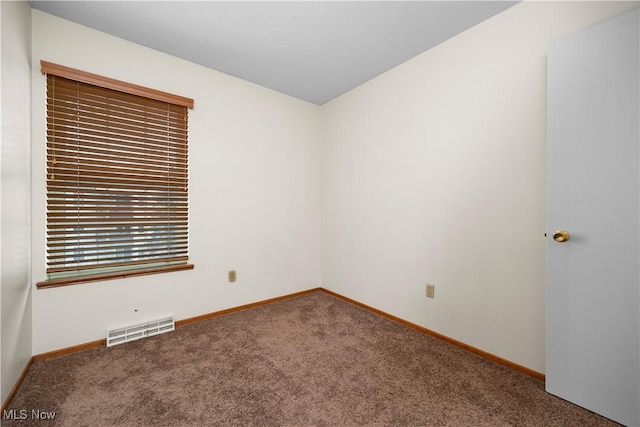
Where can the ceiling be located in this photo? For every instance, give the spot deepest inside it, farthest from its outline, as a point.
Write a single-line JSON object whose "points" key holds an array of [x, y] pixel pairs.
{"points": [[312, 50]]}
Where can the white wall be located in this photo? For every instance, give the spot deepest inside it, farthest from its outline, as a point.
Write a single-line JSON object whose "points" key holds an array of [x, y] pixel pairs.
{"points": [[254, 192], [435, 172], [15, 290]]}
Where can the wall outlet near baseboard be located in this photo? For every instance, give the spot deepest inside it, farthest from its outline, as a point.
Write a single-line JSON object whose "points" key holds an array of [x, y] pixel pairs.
{"points": [[431, 291]]}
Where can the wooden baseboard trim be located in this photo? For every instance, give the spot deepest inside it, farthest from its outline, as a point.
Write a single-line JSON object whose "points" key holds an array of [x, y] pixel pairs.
{"points": [[16, 386], [528, 371], [243, 307], [69, 350]]}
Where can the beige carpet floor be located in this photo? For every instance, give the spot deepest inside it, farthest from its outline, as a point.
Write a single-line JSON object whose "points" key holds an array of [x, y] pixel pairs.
{"points": [[312, 360]]}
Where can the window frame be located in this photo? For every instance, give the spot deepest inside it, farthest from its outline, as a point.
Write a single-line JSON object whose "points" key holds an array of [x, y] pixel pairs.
{"points": [[48, 68]]}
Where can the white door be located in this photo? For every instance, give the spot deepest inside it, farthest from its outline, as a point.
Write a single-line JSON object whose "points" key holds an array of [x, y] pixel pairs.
{"points": [[593, 278]]}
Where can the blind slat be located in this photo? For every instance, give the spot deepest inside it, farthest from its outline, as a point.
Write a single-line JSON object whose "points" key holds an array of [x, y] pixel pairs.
{"points": [[119, 170], [133, 158], [116, 242], [115, 175], [117, 264], [124, 257], [107, 124], [114, 195], [55, 183], [116, 161], [140, 127], [61, 142], [77, 235], [63, 204], [124, 102], [119, 244], [67, 209], [112, 252], [62, 240], [71, 103], [87, 134], [150, 117]]}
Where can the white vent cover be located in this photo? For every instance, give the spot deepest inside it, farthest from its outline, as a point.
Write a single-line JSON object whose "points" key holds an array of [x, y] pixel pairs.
{"points": [[140, 330]]}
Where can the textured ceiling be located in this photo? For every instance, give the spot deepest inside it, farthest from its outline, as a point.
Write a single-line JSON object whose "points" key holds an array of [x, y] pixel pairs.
{"points": [[312, 50]]}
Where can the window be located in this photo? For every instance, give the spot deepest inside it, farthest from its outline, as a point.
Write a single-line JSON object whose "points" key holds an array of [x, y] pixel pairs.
{"points": [[117, 178]]}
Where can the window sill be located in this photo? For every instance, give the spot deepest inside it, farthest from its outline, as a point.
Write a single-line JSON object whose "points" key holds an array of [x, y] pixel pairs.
{"points": [[100, 277]]}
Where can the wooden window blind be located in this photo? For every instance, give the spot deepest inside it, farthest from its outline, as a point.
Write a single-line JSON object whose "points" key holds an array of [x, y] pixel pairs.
{"points": [[117, 182]]}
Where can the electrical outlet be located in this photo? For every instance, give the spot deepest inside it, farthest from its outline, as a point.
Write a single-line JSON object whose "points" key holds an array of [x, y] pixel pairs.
{"points": [[431, 290], [232, 275]]}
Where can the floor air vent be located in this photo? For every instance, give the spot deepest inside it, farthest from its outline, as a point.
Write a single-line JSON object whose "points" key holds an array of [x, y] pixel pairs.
{"points": [[140, 330]]}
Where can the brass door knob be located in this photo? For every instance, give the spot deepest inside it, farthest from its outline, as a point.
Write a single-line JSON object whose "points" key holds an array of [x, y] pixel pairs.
{"points": [[561, 236]]}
